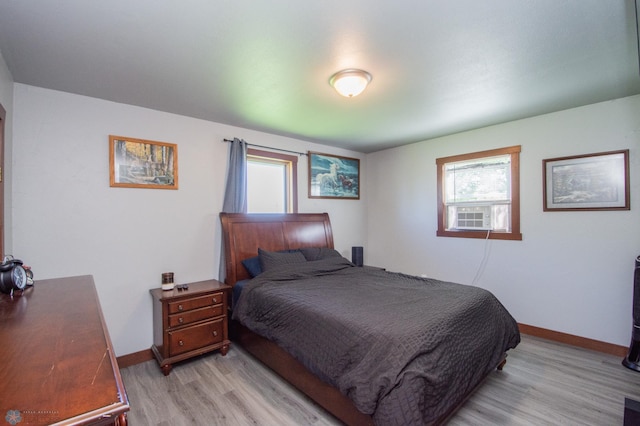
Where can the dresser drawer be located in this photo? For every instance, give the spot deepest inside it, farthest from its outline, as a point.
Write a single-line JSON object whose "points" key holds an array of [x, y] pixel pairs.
{"points": [[196, 337], [195, 303], [194, 315]]}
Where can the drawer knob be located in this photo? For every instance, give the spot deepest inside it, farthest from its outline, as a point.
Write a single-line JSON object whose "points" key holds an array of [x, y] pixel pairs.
{"points": [[215, 333], [180, 307], [180, 320], [215, 300], [181, 343]]}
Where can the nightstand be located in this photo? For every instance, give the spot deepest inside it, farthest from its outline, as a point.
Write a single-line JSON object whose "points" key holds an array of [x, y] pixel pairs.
{"points": [[189, 322]]}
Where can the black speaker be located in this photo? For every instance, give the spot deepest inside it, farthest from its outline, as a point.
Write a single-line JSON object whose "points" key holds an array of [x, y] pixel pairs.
{"points": [[357, 256], [633, 358]]}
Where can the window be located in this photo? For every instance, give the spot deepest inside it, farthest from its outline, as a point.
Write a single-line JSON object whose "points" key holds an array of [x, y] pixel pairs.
{"points": [[272, 184], [479, 195]]}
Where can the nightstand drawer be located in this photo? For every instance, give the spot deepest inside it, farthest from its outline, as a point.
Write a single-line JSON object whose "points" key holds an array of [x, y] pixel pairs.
{"points": [[196, 337], [194, 315], [195, 303]]}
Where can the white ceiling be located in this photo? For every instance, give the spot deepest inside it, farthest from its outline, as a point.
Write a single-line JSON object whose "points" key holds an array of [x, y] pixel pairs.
{"points": [[438, 66]]}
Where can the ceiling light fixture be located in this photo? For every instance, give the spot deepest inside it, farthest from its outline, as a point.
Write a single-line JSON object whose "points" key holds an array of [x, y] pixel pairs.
{"points": [[351, 82]]}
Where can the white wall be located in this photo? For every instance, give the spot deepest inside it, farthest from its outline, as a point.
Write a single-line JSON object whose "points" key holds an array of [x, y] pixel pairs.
{"points": [[69, 221], [6, 99], [572, 272]]}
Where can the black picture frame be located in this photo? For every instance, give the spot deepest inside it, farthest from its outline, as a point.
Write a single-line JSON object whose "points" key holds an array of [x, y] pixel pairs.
{"points": [[589, 182]]}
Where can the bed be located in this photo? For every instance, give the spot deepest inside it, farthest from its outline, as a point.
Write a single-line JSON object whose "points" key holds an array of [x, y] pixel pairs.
{"points": [[368, 345]]}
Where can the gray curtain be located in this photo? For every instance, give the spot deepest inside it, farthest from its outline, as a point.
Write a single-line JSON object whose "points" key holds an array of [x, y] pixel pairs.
{"points": [[235, 194]]}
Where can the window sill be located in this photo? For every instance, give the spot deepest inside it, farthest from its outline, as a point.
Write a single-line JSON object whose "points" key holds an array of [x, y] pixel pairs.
{"points": [[493, 235]]}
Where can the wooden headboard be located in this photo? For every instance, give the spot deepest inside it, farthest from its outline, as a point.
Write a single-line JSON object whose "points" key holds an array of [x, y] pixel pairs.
{"points": [[243, 234]]}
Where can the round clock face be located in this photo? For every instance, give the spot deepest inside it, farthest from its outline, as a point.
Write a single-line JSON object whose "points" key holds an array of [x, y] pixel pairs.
{"points": [[19, 277]]}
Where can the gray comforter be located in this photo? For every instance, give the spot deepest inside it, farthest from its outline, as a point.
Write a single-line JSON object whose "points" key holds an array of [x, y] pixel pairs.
{"points": [[404, 349]]}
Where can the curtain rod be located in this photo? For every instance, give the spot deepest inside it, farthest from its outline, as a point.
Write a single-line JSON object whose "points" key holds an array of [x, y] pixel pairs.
{"points": [[268, 147]]}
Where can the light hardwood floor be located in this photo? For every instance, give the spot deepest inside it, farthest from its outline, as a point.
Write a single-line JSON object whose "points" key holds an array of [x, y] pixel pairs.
{"points": [[543, 383]]}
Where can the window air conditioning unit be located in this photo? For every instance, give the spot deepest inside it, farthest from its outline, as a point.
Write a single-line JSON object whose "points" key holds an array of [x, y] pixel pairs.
{"points": [[474, 218]]}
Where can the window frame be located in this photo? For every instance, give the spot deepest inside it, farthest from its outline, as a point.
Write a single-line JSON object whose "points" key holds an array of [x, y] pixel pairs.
{"points": [[291, 163], [514, 234]]}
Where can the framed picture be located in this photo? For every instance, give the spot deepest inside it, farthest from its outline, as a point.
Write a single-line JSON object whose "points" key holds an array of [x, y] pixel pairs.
{"points": [[332, 176], [137, 163], [587, 182]]}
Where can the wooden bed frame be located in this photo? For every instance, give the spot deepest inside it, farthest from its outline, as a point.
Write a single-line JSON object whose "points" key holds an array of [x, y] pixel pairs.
{"points": [[243, 234]]}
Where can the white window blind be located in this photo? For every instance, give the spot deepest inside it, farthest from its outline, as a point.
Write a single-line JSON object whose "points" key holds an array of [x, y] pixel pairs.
{"points": [[479, 180]]}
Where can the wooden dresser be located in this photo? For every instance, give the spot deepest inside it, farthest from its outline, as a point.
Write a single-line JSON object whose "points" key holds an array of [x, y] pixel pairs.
{"points": [[189, 322], [58, 364]]}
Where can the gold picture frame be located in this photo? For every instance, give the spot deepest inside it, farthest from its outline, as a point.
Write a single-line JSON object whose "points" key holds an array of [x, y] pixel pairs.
{"points": [[139, 163]]}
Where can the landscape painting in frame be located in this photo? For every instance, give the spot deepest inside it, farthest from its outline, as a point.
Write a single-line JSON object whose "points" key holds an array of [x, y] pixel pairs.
{"points": [[138, 163], [587, 182], [332, 176]]}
